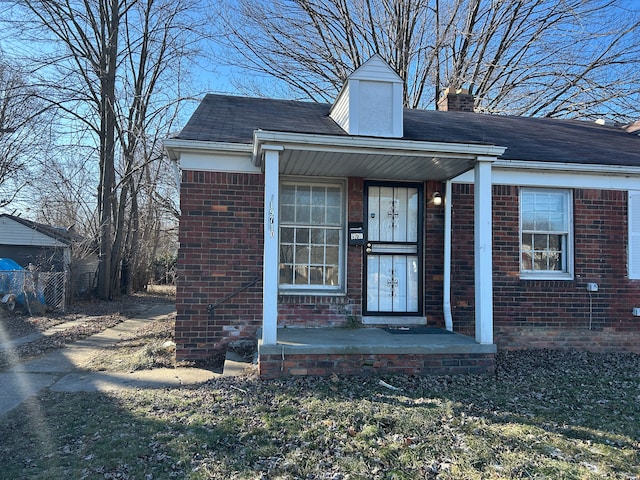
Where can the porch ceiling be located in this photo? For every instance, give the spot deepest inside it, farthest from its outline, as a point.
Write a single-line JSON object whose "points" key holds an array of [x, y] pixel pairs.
{"points": [[367, 157], [371, 165]]}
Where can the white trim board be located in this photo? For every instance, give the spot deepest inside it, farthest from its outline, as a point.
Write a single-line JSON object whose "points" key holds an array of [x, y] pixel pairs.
{"points": [[215, 162], [604, 179]]}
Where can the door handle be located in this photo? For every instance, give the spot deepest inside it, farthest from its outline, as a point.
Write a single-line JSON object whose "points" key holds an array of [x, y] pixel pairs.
{"points": [[368, 249]]}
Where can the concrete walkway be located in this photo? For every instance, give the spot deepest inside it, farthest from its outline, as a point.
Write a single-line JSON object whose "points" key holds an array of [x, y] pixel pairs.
{"points": [[62, 370]]}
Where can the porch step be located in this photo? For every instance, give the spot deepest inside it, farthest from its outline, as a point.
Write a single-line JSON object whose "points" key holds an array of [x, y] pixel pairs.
{"points": [[235, 365]]}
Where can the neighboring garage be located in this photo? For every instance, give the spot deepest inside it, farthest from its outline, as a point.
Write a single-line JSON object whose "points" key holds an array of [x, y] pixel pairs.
{"points": [[25, 242], [49, 249]]}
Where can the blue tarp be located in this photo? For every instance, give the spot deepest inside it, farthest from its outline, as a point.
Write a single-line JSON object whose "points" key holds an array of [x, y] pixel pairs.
{"points": [[8, 264], [14, 279]]}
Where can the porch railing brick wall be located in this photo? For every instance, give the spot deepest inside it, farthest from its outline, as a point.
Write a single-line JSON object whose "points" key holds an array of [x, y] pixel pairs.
{"points": [[552, 313]]}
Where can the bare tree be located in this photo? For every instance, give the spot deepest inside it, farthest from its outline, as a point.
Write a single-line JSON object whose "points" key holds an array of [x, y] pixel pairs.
{"points": [[22, 132], [114, 71], [66, 196], [575, 58]]}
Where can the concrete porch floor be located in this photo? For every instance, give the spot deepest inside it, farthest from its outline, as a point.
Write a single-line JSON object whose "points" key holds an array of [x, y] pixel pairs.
{"points": [[370, 341]]}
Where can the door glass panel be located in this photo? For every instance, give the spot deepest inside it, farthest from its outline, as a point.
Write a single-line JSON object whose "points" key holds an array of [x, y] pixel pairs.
{"points": [[399, 280], [393, 214], [373, 278], [401, 208], [380, 285], [412, 215], [412, 284], [392, 283], [388, 214]]}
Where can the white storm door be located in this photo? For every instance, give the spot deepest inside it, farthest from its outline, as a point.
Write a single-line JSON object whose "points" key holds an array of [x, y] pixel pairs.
{"points": [[392, 250]]}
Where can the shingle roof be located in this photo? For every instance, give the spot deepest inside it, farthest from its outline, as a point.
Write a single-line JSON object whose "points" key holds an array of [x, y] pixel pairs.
{"points": [[223, 118], [59, 233]]}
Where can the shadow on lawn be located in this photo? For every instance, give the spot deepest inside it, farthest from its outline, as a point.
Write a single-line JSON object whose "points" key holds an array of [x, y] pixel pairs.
{"points": [[540, 414], [97, 435]]}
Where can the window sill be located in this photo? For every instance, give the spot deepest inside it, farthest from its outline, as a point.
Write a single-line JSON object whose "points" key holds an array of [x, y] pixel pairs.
{"points": [[546, 276], [311, 293]]}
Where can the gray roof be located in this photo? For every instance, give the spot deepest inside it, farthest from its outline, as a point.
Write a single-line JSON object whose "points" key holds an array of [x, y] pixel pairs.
{"points": [[64, 235], [223, 118]]}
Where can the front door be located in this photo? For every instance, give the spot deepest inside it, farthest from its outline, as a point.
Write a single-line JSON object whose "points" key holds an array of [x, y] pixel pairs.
{"points": [[393, 246]]}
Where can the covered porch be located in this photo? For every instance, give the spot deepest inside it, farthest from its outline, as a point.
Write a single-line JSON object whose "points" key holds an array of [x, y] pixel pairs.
{"points": [[322, 351], [368, 350]]}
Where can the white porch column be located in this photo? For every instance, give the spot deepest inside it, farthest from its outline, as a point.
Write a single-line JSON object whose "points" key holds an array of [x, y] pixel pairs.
{"points": [[270, 261], [483, 250]]}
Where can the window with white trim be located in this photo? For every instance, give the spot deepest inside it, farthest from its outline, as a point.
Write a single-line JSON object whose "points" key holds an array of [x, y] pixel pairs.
{"points": [[546, 239], [311, 236], [634, 234]]}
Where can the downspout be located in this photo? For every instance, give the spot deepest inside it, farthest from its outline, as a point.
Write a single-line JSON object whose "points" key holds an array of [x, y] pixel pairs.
{"points": [[446, 297]]}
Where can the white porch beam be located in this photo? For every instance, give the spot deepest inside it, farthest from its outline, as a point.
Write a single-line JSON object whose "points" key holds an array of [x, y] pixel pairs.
{"points": [[270, 261], [483, 250]]}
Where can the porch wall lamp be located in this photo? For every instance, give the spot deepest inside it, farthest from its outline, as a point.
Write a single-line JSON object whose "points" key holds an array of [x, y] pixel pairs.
{"points": [[436, 199]]}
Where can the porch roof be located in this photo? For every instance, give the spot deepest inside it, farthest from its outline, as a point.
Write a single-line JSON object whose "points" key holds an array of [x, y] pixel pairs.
{"points": [[367, 157]]}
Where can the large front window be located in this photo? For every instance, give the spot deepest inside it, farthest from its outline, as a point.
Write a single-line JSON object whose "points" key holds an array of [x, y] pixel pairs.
{"points": [[311, 232], [546, 240]]}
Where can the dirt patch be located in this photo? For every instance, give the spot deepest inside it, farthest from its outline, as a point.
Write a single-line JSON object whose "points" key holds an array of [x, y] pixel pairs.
{"points": [[149, 347], [89, 317]]}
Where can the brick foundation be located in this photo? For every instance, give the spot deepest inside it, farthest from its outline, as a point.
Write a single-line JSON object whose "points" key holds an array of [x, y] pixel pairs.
{"points": [[602, 341], [274, 366]]}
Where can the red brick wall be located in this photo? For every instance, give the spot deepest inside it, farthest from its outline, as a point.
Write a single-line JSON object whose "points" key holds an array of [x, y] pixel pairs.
{"points": [[462, 267], [354, 252], [313, 310], [362, 364], [433, 255], [221, 239], [551, 313], [221, 249]]}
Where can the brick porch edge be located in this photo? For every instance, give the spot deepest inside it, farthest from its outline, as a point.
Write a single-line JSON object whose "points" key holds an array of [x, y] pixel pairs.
{"points": [[274, 366]]}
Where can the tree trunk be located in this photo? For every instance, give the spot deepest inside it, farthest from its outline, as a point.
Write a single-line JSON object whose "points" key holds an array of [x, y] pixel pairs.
{"points": [[107, 200]]}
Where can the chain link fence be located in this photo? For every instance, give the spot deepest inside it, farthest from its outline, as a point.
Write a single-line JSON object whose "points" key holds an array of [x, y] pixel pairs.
{"points": [[34, 292]]}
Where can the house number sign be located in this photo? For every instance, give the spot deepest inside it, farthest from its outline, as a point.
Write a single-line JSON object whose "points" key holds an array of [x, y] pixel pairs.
{"points": [[356, 233], [272, 219]]}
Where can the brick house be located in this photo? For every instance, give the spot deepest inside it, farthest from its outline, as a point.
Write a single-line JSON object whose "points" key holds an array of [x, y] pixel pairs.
{"points": [[440, 235]]}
